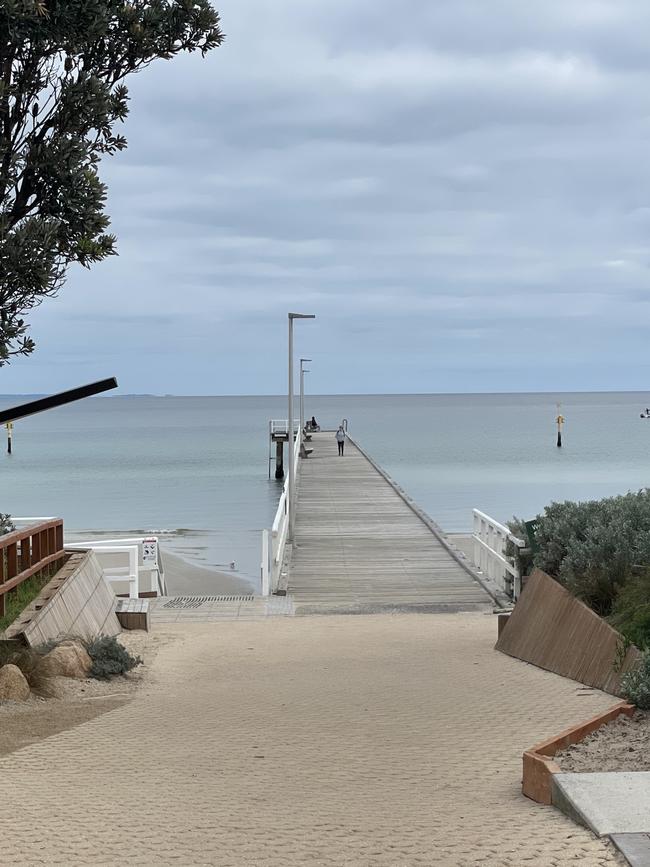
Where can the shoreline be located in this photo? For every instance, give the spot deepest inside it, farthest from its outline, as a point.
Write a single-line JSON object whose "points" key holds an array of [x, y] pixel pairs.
{"points": [[184, 578]]}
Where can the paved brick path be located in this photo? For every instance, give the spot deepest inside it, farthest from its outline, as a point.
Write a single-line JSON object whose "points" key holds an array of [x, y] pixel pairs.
{"points": [[377, 740]]}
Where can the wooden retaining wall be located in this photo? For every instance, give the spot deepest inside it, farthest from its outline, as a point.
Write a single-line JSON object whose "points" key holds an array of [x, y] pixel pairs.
{"points": [[552, 629], [77, 602]]}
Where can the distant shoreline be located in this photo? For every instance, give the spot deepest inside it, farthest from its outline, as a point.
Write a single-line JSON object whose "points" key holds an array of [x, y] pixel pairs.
{"points": [[160, 396]]}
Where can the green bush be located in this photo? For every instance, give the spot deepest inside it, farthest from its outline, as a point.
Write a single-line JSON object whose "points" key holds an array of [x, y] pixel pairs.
{"points": [[635, 685], [631, 613], [524, 556], [594, 548], [109, 658]]}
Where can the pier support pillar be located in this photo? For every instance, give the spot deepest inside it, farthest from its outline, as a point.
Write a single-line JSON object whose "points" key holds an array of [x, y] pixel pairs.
{"points": [[279, 459]]}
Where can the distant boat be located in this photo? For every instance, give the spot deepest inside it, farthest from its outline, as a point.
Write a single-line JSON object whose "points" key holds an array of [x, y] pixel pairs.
{"points": [[645, 414]]}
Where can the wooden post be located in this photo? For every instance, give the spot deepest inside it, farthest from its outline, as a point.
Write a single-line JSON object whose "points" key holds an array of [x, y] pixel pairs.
{"points": [[279, 459], [10, 428]]}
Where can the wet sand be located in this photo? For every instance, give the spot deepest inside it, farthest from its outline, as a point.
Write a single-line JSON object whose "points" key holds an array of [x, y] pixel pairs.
{"points": [[186, 579]]}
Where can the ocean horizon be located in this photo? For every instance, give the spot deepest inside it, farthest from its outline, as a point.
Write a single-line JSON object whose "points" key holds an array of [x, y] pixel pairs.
{"points": [[195, 469]]}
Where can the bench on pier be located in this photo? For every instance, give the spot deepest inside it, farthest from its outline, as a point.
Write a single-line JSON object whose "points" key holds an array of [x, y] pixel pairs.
{"points": [[305, 452]]}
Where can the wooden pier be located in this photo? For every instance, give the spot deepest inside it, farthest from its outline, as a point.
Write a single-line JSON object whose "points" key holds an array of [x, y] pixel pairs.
{"points": [[360, 547]]}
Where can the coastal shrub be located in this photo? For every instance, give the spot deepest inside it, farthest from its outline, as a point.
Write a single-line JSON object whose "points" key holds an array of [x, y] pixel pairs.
{"points": [[110, 658], [631, 613], [6, 524], [635, 686], [524, 556], [594, 548]]}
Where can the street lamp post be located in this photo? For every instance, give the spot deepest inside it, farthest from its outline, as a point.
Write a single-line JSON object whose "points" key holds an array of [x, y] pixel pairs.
{"points": [[290, 443], [303, 371]]}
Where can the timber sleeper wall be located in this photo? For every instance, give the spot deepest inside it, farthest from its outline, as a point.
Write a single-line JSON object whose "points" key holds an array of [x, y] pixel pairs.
{"points": [[552, 629], [77, 602]]}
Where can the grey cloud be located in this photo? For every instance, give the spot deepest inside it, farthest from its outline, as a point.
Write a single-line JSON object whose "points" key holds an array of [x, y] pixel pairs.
{"points": [[453, 187]]}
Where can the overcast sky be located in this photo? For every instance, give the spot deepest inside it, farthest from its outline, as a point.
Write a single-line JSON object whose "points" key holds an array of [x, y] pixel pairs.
{"points": [[459, 190]]}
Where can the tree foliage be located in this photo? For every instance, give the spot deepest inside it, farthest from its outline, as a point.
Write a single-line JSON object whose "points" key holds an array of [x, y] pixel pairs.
{"points": [[63, 66]]}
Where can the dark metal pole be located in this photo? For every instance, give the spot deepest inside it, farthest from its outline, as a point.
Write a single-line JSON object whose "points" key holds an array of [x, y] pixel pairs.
{"points": [[55, 400]]}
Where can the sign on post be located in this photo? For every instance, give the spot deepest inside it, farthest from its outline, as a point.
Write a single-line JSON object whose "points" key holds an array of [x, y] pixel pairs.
{"points": [[149, 550], [531, 531]]}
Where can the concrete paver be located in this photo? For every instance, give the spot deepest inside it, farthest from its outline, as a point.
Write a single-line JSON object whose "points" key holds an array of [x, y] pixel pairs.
{"points": [[612, 802], [635, 847], [378, 740]]}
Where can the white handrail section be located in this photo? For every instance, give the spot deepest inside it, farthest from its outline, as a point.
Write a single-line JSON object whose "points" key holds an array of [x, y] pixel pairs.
{"points": [[274, 540], [149, 570], [280, 426], [489, 553], [136, 561], [114, 574]]}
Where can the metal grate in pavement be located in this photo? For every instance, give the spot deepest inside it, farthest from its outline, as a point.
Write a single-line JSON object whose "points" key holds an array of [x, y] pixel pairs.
{"points": [[184, 602]]}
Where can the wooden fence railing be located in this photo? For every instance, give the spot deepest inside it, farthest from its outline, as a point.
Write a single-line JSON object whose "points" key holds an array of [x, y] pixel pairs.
{"points": [[27, 552]]}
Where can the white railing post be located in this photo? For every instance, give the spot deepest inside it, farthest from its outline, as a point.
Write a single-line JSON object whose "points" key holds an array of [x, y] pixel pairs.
{"points": [[490, 539], [134, 577], [265, 563]]}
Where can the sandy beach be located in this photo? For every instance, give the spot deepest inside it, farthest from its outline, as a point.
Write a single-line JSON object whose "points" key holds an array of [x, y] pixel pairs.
{"points": [[185, 579]]}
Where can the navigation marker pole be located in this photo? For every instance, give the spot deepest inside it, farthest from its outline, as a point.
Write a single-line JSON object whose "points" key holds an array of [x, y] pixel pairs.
{"points": [[10, 427], [560, 422]]}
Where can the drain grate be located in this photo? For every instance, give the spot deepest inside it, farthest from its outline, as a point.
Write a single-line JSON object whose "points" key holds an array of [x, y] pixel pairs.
{"points": [[198, 601]]}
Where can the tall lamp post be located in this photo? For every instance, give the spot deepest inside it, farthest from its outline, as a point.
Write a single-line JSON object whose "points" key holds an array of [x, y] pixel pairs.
{"points": [[290, 443], [303, 371]]}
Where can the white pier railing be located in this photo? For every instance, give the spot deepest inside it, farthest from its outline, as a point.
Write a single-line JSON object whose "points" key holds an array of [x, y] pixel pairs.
{"points": [[274, 540], [280, 426], [490, 539]]}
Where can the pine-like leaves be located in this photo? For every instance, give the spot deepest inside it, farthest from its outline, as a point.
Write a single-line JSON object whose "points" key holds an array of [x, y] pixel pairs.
{"points": [[62, 69]]}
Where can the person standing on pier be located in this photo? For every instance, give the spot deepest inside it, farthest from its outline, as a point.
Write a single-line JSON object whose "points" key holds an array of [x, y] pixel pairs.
{"points": [[340, 438]]}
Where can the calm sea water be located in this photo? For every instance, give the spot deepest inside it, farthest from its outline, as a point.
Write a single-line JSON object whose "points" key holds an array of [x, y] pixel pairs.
{"points": [[197, 467]]}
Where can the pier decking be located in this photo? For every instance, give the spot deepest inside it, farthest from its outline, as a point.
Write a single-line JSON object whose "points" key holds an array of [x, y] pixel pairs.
{"points": [[359, 546]]}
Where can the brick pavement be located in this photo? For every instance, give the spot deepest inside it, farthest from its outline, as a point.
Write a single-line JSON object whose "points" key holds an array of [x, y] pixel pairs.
{"points": [[375, 740]]}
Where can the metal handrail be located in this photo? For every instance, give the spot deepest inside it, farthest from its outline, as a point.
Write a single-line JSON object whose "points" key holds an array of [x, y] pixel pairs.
{"points": [[281, 426]]}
